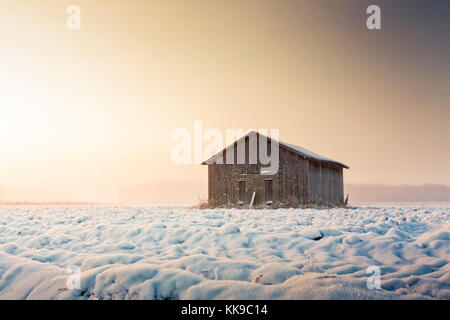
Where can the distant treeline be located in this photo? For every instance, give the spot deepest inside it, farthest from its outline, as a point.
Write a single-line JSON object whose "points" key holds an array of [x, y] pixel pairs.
{"points": [[397, 193]]}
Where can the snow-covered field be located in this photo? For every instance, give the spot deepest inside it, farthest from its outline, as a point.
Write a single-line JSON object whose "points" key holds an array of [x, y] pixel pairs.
{"points": [[180, 253]]}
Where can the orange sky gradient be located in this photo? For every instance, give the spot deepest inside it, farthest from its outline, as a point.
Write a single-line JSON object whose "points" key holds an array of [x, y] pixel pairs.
{"points": [[88, 115]]}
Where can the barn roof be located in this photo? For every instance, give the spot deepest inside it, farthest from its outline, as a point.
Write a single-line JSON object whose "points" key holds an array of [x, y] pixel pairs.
{"points": [[296, 149]]}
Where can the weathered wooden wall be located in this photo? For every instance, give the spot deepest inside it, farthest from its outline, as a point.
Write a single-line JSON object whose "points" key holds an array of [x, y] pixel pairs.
{"points": [[292, 180], [326, 183]]}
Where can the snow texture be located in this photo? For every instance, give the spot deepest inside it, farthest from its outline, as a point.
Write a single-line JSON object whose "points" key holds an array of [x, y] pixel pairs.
{"points": [[180, 253]]}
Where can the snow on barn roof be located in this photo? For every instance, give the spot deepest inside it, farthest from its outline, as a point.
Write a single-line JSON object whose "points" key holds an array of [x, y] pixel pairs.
{"points": [[299, 150]]}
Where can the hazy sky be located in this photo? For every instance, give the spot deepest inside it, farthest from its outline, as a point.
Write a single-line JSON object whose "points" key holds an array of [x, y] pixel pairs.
{"points": [[88, 114]]}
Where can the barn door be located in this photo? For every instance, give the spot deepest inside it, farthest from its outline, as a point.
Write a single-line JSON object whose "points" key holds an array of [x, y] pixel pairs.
{"points": [[268, 190], [242, 191]]}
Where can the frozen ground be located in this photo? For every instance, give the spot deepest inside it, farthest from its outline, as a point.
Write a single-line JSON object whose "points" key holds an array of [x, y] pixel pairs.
{"points": [[179, 253]]}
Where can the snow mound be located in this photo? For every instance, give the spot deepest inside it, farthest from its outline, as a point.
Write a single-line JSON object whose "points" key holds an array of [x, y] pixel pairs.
{"points": [[273, 273], [310, 287], [230, 229], [311, 233]]}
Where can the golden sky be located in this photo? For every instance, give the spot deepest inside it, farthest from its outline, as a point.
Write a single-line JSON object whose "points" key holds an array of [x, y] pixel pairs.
{"points": [[88, 114]]}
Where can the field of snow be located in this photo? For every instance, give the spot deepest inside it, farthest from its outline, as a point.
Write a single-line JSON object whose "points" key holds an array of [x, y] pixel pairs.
{"points": [[180, 253]]}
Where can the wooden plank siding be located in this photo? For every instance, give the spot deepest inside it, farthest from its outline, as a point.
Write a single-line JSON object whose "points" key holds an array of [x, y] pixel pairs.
{"points": [[326, 183]]}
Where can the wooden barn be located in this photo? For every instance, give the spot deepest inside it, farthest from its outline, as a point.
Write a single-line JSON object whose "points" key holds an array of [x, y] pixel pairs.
{"points": [[301, 177]]}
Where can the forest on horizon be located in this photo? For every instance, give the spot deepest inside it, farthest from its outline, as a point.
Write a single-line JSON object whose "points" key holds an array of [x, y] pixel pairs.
{"points": [[397, 193]]}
